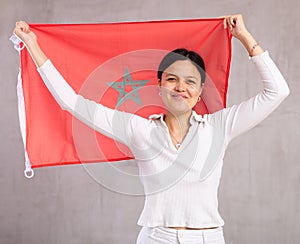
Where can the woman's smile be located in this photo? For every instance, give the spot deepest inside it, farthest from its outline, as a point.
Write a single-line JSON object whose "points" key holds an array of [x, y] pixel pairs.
{"points": [[181, 86], [179, 97]]}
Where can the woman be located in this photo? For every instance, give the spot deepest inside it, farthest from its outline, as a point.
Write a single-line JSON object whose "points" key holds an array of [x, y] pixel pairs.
{"points": [[179, 154]]}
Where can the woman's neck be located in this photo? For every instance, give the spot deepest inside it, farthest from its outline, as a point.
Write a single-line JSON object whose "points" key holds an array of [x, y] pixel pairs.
{"points": [[178, 125]]}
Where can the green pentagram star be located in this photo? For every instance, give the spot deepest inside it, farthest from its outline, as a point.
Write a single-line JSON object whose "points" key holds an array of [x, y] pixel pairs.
{"points": [[120, 86]]}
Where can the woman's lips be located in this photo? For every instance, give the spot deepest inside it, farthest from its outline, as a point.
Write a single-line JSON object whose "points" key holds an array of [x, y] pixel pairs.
{"points": [[179, 97]]}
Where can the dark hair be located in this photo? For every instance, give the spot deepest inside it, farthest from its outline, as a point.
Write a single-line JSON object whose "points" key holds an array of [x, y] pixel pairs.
{"points": [[182, 54]]}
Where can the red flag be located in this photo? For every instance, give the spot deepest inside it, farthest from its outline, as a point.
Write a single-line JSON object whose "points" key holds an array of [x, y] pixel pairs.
{"points": [[114, 64]]}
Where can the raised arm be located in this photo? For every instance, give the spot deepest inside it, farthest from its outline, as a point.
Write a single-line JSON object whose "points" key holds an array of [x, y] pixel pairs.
{"points": [[240, 118], [110, 122]]}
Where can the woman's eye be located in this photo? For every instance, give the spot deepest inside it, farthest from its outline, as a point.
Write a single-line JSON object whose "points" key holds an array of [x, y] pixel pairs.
{"points": [[171, 79], [191, 82]]}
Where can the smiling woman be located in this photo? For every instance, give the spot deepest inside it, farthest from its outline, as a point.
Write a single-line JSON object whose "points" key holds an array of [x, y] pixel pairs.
{"points": [[181, 88], [181, 76], [181, 203]]}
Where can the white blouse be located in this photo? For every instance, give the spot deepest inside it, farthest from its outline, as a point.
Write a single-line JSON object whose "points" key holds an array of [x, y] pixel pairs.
{"points": [[181, 186]]}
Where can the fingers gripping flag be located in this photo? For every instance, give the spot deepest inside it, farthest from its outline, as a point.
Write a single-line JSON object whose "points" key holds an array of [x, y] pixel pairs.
{"points": [[114, 64]]}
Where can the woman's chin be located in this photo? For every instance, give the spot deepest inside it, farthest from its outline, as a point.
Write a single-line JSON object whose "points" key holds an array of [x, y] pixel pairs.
{"points": [[178, 109]]}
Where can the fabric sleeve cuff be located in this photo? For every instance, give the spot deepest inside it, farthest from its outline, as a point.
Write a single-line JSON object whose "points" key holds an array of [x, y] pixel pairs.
{"points": [[260, 56], [45, 65]]}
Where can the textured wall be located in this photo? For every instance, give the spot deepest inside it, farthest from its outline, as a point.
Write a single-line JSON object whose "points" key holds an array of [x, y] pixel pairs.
{"points": [[259, 192]]}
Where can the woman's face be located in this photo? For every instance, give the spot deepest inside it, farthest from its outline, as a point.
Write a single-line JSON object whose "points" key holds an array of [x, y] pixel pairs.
{"points": [[180, 86]]}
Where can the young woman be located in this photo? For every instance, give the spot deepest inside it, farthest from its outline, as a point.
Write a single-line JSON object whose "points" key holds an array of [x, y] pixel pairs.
{"points": [[181, 181]]}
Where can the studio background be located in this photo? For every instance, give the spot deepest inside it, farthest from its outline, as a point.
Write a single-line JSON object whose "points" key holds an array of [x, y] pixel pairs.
{"points": [[259, 192]]}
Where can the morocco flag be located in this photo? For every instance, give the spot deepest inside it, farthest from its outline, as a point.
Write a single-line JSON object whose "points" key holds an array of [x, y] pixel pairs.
{"points": [[114, 64]]}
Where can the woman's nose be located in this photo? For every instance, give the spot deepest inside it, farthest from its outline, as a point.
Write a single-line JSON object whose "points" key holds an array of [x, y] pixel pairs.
{"points": [[180, 86]]}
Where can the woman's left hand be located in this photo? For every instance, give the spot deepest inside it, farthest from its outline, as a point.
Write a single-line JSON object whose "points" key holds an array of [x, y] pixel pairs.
{"points": [[236, 25]]}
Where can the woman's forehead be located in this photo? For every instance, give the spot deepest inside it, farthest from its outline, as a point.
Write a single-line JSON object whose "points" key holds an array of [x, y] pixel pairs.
{"points": [[183, 68]]}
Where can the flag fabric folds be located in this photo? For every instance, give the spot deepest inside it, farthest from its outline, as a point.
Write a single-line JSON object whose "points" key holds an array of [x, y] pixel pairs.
{"points": [[114, 64]]}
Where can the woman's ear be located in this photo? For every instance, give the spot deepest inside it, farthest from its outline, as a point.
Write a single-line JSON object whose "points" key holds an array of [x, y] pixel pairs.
{"points": [[201, 87], [159, 87]]}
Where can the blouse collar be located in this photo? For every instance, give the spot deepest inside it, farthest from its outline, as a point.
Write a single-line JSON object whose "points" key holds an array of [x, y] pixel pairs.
{"points": [[194, 117]]}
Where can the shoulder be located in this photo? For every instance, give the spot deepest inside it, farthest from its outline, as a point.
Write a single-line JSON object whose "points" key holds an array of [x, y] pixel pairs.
{"points": [[218, 118]]}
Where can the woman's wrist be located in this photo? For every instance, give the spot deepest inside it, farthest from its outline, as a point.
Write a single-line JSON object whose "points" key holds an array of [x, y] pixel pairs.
{"points": [[31, 44], [252, 46], [37, 54]]}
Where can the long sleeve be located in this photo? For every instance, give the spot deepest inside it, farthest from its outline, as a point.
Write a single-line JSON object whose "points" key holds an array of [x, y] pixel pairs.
{"points": [[242, 117], [112, 123]]}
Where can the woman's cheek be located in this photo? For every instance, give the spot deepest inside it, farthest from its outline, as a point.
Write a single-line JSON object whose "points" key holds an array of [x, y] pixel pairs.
{"points": [[194, 92]]}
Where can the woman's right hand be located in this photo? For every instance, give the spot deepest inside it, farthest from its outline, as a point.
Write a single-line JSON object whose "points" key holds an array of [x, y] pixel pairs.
{"points": [[23, 31]]}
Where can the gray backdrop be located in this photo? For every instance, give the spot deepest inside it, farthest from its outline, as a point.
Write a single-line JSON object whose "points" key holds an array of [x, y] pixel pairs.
{"points": [[259, 192]]}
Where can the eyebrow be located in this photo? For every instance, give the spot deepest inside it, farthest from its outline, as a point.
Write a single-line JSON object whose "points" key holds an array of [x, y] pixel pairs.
{"points": [[190, 76]]}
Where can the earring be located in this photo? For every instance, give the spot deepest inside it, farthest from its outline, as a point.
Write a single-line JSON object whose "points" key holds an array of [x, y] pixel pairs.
{"points": [[199, 98]]}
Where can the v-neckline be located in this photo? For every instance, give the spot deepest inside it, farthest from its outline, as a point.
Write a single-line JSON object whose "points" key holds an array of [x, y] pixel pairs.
{"points": [[170, 142], [184, 141]]}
